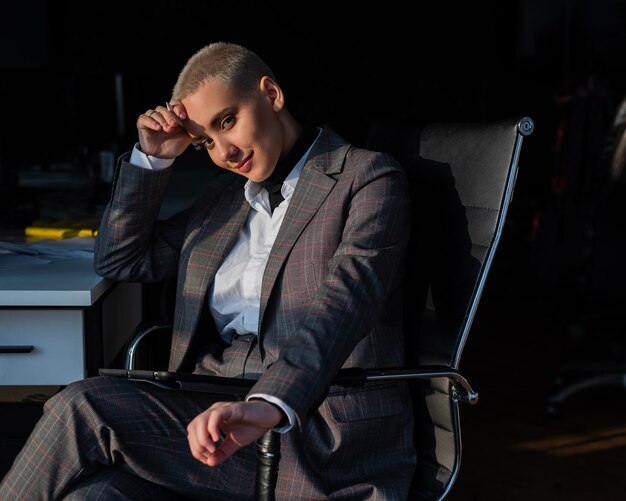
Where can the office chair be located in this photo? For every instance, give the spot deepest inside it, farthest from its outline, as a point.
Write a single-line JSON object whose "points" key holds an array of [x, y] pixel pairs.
{"points": [[462, 178]]}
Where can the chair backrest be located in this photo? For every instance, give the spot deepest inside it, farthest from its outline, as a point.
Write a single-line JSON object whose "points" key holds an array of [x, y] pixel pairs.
{"points": [[461, 177]]}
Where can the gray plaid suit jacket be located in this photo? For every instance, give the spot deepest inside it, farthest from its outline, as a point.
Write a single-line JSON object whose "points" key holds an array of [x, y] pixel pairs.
{"points": [[331, 298]]}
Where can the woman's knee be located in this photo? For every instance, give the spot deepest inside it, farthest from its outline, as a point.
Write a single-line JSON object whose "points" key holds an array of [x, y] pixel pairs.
{"points": [[82, 394]]}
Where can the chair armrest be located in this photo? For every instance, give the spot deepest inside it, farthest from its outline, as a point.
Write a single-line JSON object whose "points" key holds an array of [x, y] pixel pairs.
{"points": [[131, 351], [461, 389], [352, 377]]}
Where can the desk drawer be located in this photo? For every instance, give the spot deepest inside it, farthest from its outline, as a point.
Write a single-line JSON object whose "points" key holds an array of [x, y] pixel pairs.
{"points": [[57, 340]]}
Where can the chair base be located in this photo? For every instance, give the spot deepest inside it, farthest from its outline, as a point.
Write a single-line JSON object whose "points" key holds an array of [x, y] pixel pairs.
{"points": [[557, 399]]}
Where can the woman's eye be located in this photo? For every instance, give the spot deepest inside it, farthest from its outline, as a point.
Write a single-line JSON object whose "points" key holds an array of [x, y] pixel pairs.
{"points": [[227, 122], [204, 144]]}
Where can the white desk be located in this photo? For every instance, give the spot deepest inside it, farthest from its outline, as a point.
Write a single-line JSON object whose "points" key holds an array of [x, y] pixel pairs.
{"points": [[60, 321]]}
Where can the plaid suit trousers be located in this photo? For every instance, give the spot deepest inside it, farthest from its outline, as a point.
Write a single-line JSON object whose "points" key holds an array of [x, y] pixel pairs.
{"points": [[95, 427]]}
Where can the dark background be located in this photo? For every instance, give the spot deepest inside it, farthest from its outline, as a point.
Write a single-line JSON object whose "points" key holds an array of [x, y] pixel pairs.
{"points": [[560, 260], [560, 62], [426, 61]]}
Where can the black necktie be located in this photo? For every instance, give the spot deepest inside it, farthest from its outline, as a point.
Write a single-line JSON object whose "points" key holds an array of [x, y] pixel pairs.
{"points": [[274, 190], [274, 183]]}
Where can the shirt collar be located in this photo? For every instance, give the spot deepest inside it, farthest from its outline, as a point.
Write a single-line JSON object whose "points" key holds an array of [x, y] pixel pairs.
{"points": [[253, 190]]}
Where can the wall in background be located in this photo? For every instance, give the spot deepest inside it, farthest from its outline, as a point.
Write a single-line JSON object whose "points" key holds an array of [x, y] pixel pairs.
{"points": [[434, 61]]}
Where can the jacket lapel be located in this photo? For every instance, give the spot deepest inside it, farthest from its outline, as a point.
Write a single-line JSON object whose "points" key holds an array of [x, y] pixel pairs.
{"points": [[317, 179], [204, 252]]}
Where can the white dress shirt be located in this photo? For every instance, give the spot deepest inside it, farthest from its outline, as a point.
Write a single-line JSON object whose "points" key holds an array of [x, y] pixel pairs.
{"points": [[235, 295]]}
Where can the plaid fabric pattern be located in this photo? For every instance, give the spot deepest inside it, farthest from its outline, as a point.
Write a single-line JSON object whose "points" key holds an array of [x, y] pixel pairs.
{"points": [[330, 299], [134, 426]]}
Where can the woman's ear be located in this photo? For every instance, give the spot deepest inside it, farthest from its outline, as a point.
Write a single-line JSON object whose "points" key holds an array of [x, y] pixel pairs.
{"points": [[273, 92]]}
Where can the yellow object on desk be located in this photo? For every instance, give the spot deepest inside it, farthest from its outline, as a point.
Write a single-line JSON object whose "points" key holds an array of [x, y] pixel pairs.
{"points": [[50, 232]]}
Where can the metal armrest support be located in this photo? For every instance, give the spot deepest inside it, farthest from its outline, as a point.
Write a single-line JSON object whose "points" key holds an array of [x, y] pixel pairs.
{"points": [[461, 389], [131, 351], [353, 377]]}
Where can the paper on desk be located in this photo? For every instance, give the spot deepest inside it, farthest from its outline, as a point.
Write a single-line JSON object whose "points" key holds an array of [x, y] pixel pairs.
{"points": [[67, 247], [16, 248], [11, 261], [49, 248]]}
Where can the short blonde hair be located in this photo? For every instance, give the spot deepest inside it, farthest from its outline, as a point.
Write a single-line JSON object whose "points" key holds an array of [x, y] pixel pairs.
{"points": [[233, 64]]}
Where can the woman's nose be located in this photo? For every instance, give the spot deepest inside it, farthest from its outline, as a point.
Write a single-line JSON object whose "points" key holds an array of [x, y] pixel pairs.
{"points": [[225, 151]]}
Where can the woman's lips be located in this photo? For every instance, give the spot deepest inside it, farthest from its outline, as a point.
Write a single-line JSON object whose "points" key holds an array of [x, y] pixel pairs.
{"points": [[245, 165]]}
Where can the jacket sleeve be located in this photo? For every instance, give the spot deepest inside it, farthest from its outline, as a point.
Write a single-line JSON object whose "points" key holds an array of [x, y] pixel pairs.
{"points": [[132, 245], [364, 271]]}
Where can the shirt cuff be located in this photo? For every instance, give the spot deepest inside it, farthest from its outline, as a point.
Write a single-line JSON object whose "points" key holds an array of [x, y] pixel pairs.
{"points": [[291, 415], [139, 159]]}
